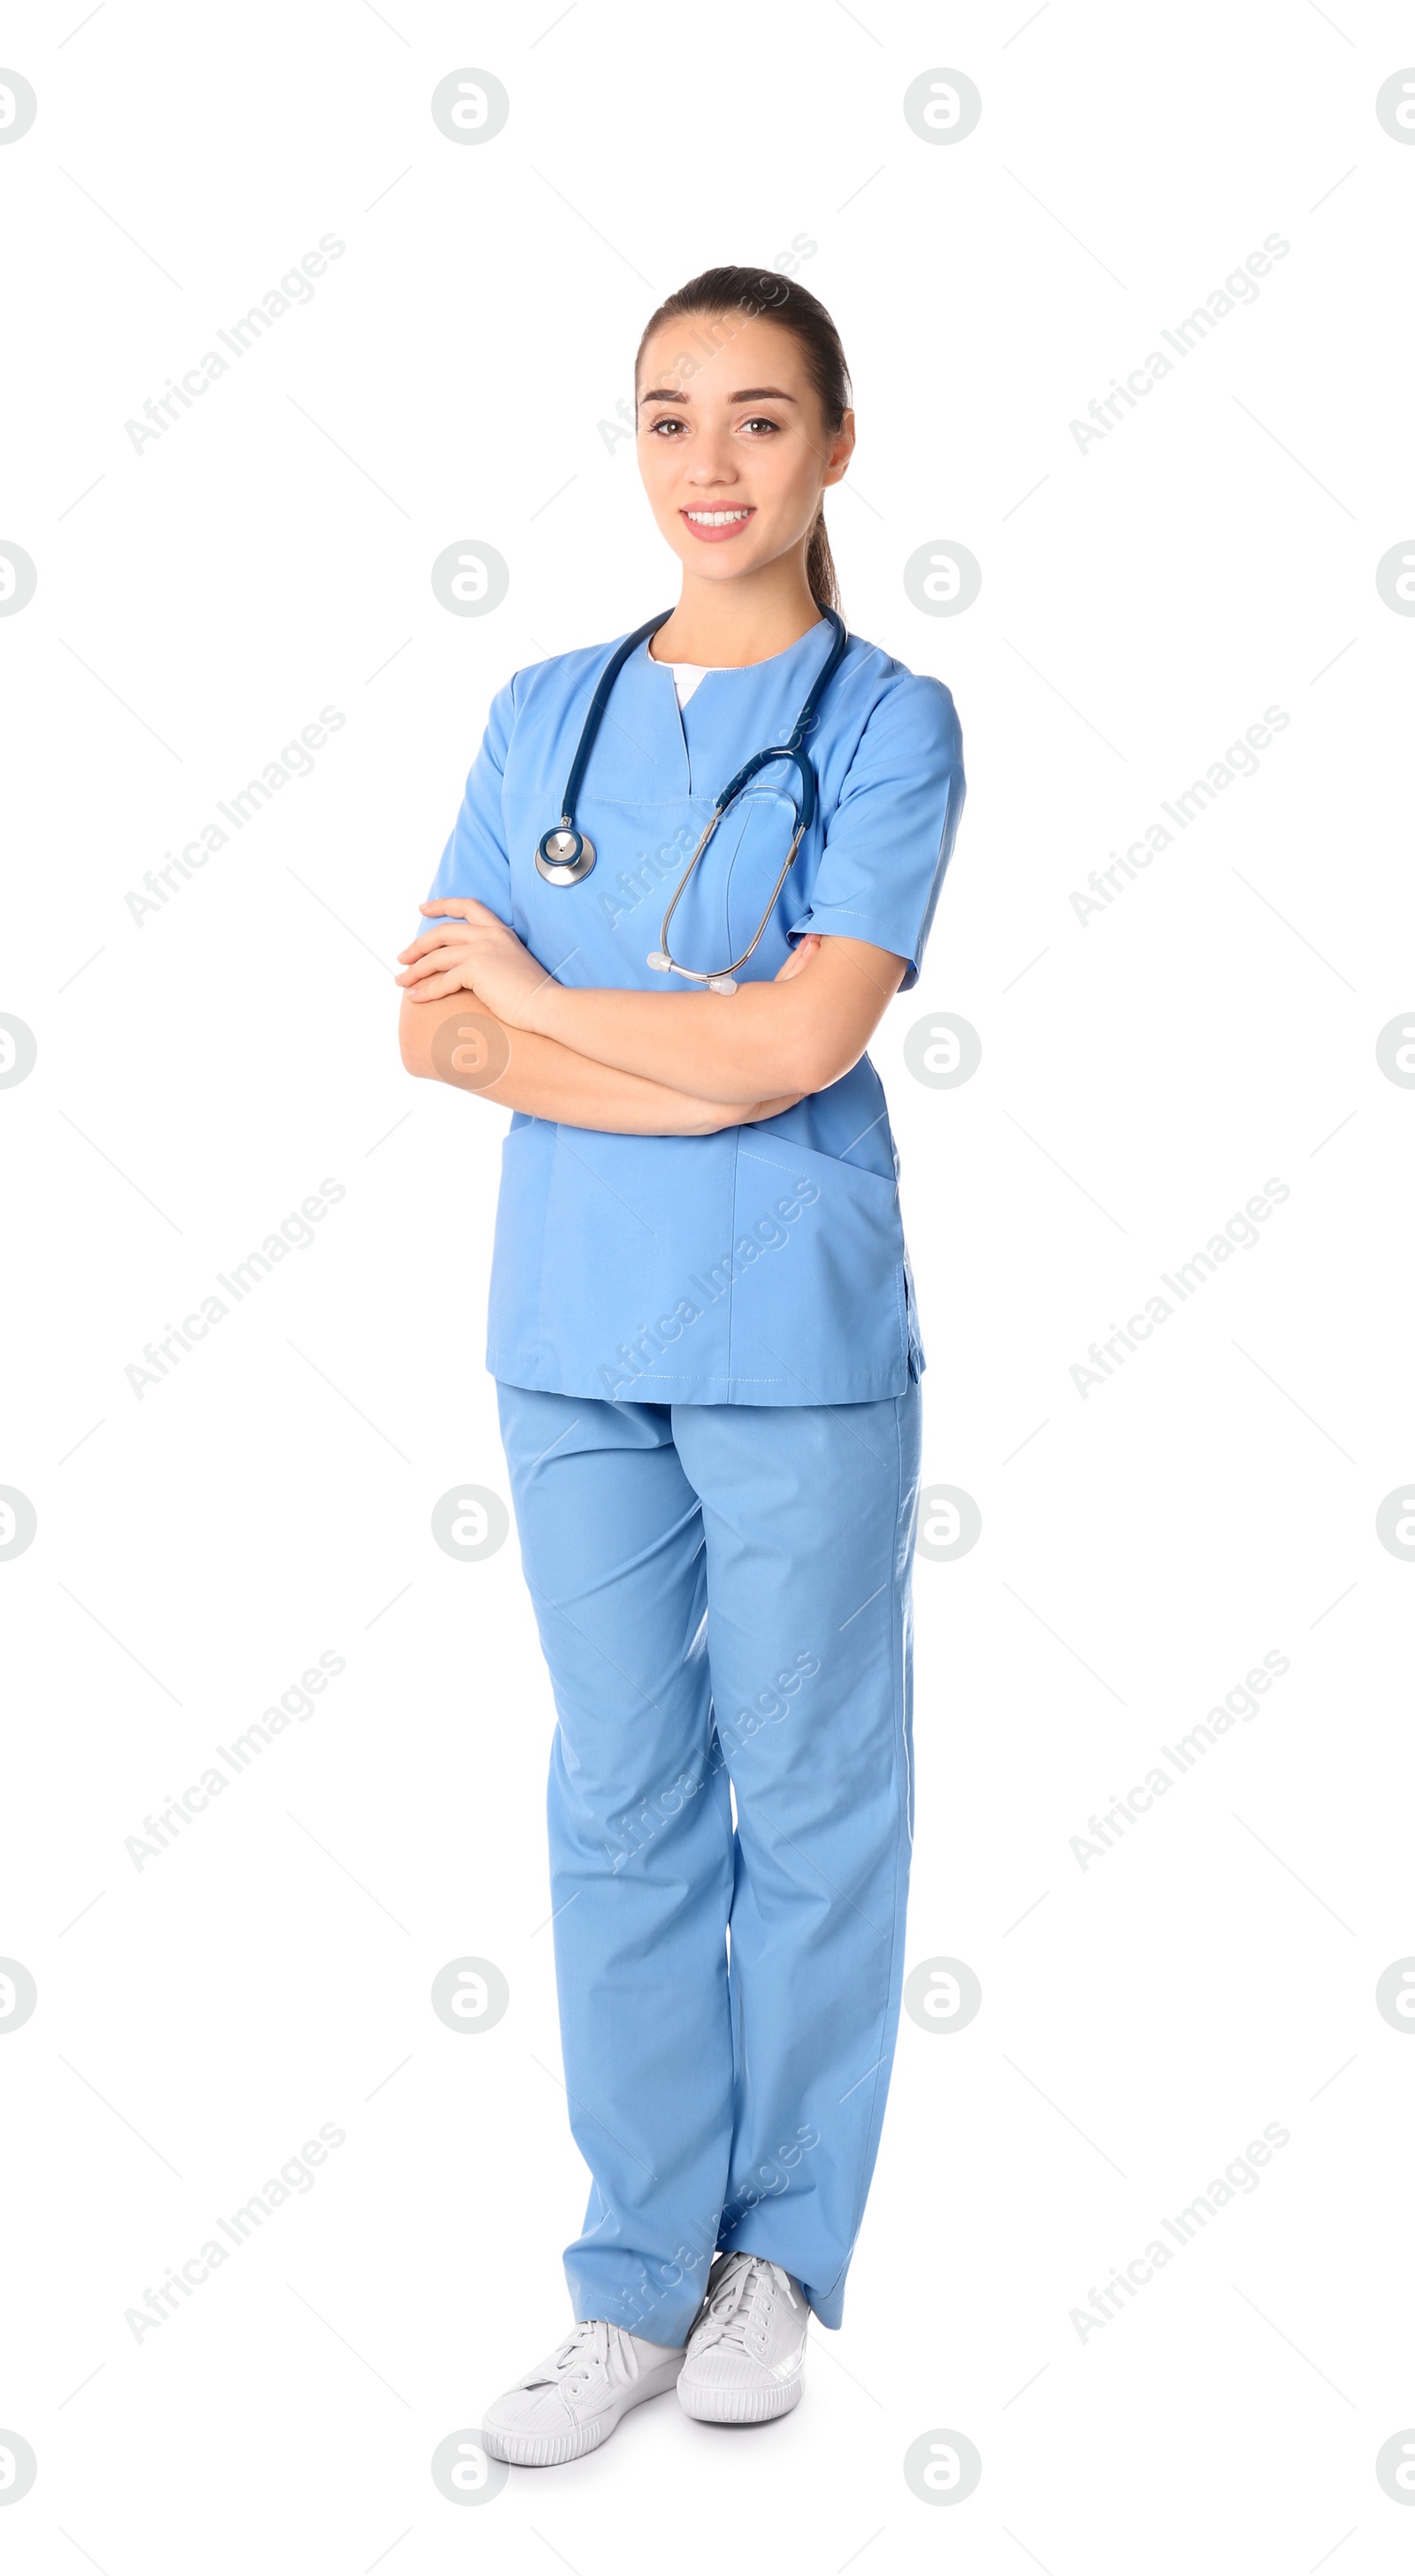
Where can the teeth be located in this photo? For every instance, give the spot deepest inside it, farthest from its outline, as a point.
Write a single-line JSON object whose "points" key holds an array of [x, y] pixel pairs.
{"points": [[715, 518]]}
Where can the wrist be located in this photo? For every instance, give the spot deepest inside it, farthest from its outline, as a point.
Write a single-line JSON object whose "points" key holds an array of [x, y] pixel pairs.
{"points": [[538, 1018]]}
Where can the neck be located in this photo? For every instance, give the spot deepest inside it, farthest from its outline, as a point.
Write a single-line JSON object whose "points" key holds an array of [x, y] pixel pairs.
{"points": [[732, 623]]}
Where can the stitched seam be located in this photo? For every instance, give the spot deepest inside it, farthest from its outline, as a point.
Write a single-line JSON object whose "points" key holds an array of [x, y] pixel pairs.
{"points": [[499, 1364], [746, 1155], [732, 1284], [883, 2073]]}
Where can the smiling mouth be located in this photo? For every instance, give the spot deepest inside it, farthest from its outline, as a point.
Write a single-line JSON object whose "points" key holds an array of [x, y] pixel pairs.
{"points": [[714, 525]]}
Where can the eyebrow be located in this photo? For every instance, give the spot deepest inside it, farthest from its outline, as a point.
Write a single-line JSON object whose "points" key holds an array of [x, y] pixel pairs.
{"points": [[752, 393]]}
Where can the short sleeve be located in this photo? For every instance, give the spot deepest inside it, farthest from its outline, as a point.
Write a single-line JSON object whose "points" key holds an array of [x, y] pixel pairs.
{"points": [[475, 861], [889, 839]]}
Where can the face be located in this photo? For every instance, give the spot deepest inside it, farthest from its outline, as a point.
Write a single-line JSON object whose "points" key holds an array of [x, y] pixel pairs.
{"points": [[733, 448]]}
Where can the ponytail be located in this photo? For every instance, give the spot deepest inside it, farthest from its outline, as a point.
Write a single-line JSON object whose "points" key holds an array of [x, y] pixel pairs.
{"points": [[820, 567]]}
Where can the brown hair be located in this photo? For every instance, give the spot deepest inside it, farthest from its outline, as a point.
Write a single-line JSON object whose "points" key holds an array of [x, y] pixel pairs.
{"points": [[752, 291]]}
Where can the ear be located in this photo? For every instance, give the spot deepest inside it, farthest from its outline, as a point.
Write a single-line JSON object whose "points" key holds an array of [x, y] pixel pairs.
{"points": [[842, 448]]}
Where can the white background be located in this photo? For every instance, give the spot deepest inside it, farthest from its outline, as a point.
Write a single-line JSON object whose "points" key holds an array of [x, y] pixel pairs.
{"points": [[1142, 1076]]}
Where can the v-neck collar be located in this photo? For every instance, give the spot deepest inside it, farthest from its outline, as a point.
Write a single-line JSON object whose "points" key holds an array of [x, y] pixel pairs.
{"points": [[692, 751], [734, 670]]}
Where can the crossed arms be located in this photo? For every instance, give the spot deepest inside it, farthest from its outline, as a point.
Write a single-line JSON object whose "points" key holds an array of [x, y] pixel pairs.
{"points": [[646, 1064]]}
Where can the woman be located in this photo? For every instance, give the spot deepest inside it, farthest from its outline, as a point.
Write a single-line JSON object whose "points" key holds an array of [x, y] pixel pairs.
{"points": [[702, 1327]]}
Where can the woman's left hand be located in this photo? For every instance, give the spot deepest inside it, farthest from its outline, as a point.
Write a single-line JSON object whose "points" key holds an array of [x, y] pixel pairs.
{"points": [[470, 950]]}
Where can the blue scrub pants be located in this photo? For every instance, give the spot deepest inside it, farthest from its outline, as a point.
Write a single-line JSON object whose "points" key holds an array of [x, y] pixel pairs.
{"points": [[723, 1594]]}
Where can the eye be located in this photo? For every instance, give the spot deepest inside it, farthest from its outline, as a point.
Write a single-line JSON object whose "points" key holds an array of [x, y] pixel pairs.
{"points": [[668, 421], [759, 420]]}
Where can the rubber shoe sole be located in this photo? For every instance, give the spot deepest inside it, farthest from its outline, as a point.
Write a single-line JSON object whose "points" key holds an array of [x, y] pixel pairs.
{"points": [[552, 2450], [739, 2405]]}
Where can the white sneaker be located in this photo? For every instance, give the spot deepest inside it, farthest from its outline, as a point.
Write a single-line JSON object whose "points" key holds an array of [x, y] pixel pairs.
{"points": [[572, 2401], [747, 2353]]}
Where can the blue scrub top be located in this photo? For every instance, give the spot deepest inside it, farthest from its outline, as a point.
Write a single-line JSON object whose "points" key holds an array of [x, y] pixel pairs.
{"points": [[765, 1264]]}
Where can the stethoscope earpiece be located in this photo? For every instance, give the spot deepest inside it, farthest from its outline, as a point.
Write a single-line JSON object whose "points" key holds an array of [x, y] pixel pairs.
{"points": [[665, 965]]}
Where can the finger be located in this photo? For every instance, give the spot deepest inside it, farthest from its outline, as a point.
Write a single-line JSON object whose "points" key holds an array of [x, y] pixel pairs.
{"points": [[432, 936], [436, 988], [464, 904], [441, 962], [798, 958], [437, 937]]}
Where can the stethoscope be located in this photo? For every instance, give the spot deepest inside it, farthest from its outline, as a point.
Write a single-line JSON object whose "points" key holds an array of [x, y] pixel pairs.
{"points": [[566, 855]]}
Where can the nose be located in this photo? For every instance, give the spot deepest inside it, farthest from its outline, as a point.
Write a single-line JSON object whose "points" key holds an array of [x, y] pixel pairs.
{"points": [[713, 461]]}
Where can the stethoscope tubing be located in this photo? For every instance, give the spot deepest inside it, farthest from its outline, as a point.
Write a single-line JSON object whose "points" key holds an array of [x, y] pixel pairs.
{"points": [[721, 975], [572, 867], [594, 716]]}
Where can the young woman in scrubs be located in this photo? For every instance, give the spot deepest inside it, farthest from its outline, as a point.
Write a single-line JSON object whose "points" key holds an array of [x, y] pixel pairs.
{"points": [[703, 1330]]}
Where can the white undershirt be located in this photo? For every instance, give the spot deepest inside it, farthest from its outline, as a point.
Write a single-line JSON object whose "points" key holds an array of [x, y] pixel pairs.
{"points": [[686, 676]]}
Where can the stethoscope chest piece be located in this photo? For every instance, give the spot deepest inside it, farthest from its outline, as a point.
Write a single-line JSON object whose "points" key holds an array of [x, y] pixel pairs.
{"points": [[565, 855]]}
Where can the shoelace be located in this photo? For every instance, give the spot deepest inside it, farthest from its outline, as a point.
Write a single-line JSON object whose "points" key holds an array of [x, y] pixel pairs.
{"points": [[739, 2302], [574, 2359]]}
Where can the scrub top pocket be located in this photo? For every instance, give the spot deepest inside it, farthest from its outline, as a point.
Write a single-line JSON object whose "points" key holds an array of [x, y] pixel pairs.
{"points": [[741, 1268]]}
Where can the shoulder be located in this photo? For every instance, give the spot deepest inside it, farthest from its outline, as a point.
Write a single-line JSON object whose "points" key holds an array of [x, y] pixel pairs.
{"points": [[897, 712], [560, 677], [541, 694]]}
